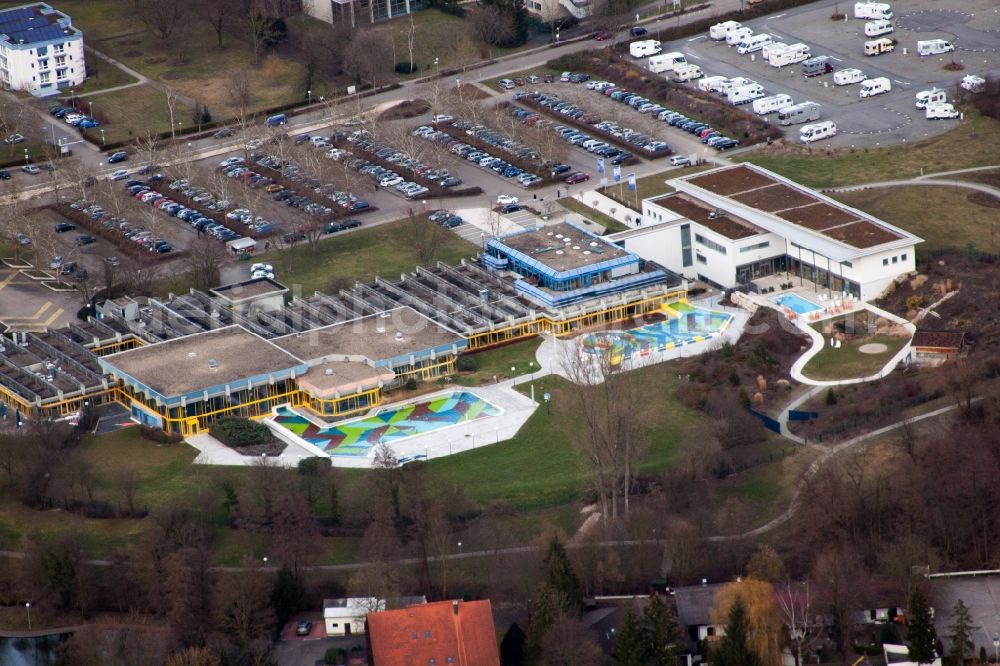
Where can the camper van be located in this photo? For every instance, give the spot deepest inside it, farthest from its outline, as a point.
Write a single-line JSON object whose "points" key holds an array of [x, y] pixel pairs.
{"points": [[817, 131], [735, 82], [934, 47], [879, 46], [719, 31], [643, 48], [773, 47], [940, 110], [745, 94], [876, 86], [798, 113], [879, 27], [846, 77], [664, 62], [711, 83], [789, 55], [817, 66], [753, 43], [685, 73], [973, 83], [735, 37], [872, 10], [766, 105], [933, 96]]}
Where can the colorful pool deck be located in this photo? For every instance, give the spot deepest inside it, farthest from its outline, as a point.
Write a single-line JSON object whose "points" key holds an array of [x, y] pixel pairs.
{"points": [[685, 324], [356, 437]]}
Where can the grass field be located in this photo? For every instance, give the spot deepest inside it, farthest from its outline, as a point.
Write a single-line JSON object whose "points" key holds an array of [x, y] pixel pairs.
{"points": [[849, 363], [134, 112], [498, 362], [102, 75], [359, 256], [951, 221], [767, 488], [975, 142], [612, 225]]}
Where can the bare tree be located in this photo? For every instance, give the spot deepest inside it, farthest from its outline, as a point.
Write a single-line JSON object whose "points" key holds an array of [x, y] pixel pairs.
{"points": [[240, 94], [216, 13], [368, 55], [492, 25], [162, 17], [795, 605], [203, 260]]}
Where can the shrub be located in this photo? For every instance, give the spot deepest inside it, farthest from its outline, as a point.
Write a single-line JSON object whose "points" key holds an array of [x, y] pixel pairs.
{"points": [[411, 384], [831, 397], [159, 436], [330, 656], [914, 302], [734, 378], [237, 432], [467, 363]]}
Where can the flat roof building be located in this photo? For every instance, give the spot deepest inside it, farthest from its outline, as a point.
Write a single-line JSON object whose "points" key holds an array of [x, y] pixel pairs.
{"points": [[733, 225], [40, 50]]}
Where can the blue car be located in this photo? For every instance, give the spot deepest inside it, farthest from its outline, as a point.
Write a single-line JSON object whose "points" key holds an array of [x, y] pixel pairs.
{"points": [[88, 123], [361, 204]]}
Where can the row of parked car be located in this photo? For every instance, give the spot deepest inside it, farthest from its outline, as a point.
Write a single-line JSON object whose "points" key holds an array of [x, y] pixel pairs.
{"points": [[142, 238], [573, 136], [709, 135], [72, 117], [142, 191], [445, 218], [479, 157], [632, 137], [386, 177]]}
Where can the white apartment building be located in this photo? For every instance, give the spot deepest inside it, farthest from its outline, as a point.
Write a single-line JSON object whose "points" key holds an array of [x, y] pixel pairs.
{"points": [[355, 12], [40, 51], [734, 225]]}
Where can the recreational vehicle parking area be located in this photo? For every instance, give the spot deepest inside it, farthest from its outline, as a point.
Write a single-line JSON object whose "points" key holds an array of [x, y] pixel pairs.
{"points": [[970, 25]]}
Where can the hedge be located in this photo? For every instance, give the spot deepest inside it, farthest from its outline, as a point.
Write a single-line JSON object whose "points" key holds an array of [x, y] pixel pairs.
{"points": [[238, 432]]}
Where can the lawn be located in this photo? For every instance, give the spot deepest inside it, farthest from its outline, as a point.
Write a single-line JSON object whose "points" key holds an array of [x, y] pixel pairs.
{"points": [[359, 256], [497, 362], [952, 222], [102, 75], [133, 112], [609, 223], [975, 142], [646, 187], [767, 488], [541, 467], [848, 362]]}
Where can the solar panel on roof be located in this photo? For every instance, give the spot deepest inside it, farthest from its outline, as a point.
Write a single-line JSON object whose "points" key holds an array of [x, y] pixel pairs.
{"points": [[40, 34]]}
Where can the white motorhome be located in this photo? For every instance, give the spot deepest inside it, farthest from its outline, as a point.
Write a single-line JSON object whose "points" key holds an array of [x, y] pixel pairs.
{"points": [[735, 37], [773, 47], [735, 82], [798, 113], [745, 94], [766, 105], [973, 83], [934, 47], [941, 110], [665, 62], [925, 98], [719, 31], [685, 73], [790, 55], [754, 43], [643, 48], [846, 77], [879, 46], [876, 86], [817, 131], [712, 83], [872, 10], [879, 27]]}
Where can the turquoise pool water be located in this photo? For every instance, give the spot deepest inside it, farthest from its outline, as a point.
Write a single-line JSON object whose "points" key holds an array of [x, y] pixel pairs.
{"points": [[795, 303], [355, 437]]}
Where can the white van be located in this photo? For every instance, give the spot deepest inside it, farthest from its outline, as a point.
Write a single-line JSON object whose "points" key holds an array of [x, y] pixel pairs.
{"points": [[926, 98], [685, 73], [934, 47], [872, 10], [736, 36], [846, 77], [941, 110], [790, 55], [798, 113], [745, 94], [766, 105], [719, 31], [643, 48], [665, 62], [711, 83], [817, 131], [876, 86], [755, 43], [879, 27]]}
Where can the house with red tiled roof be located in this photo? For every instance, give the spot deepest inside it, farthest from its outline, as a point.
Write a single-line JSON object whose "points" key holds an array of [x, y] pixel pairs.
{"points": [[444, 633]]}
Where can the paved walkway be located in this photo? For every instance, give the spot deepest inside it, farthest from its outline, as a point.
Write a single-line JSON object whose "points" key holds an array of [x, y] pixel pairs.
{"points": [[922, 181]]}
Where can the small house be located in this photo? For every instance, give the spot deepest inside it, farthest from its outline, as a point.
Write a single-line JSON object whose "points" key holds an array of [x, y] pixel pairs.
{"points": [[935, 347]]}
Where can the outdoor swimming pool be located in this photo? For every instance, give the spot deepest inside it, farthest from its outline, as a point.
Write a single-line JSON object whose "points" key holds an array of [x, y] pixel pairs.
{"points": [[355, 437], [795, 303], [685, 323]]}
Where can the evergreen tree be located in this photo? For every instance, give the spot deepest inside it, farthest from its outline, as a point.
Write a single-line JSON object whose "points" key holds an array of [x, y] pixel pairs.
{"points": [[734, 648], [560, 577], [630, 642], [544, 614], [959, 636], [664, 638], [287, 595], [920, 630], [512, 647]]}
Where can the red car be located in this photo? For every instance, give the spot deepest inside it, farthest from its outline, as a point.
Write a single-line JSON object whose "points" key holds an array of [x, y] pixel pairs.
{"points": [[578, 177], [602, 35]]}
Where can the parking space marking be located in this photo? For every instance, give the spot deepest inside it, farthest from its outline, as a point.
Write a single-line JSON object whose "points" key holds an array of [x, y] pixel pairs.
{"points": [[776, 16], [691, 55], [7, 280], [902, 83], [695, 39], [55, 315], [836, 58], [38, 314]]}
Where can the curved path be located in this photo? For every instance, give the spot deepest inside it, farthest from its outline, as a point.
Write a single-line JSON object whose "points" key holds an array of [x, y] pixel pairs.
{"points": [[922, 181]]}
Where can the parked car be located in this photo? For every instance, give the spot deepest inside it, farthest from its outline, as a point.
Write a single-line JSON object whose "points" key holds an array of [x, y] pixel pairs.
{"points": [[120, 174], [680, 160], [4, 174], [31, 169], [112, 261], [63, 227], [637, 31], [14, 138], [505, 199], [224, 133], [578, 177], [506, 84], [511, 208], [602, 35], [22, 240], [85, 240], [120, 156]]}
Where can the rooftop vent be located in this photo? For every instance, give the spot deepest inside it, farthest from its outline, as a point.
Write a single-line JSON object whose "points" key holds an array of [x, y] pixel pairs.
{"points": [[192, 354], [328, 372], [576, 247], [712, 215], [593, 243], [559, 251], [399, 336], [213, 364], [559, 235], [550, 233], [586, 251]]}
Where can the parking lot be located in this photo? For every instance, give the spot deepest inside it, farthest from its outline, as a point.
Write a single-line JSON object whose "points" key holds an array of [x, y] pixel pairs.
{"points": [[971, 25]]}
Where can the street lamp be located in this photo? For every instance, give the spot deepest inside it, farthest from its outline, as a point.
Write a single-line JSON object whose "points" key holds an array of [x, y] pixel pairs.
{"points": [[265, 560], [512, 371], [435, 63], [547, 399], [459, 547], [309, 96], [91, 108], [102, 136], [27, 607], [25, 157], [996, 646]]}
